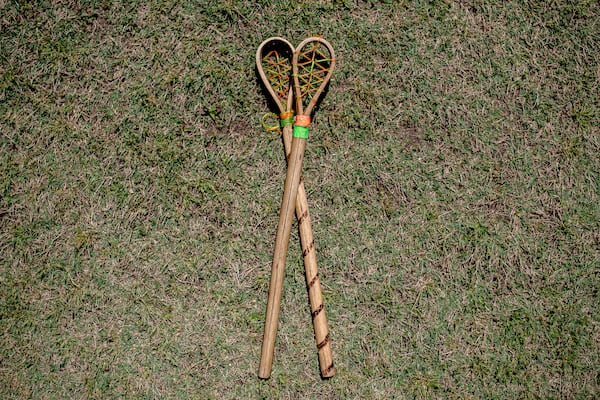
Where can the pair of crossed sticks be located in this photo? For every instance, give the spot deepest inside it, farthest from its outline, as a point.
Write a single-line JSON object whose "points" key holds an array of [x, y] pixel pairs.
{"points": [[310, 67]]}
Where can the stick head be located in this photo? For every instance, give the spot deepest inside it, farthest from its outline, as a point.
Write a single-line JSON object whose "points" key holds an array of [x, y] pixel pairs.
{"points": [[274, 64], [312, 66]]}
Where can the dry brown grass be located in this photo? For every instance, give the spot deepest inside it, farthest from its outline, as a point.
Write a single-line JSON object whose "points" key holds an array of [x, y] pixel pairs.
{"points": [[452, 177]]}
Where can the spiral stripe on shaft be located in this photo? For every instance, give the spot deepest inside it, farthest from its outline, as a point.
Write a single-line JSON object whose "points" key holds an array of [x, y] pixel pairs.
{"points": [[313, 281], [317, 311], [323, 343], [307, 250], [302, 217]]}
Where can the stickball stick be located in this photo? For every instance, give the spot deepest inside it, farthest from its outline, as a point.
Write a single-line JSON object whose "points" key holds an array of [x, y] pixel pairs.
{"points": [[274, 64], [312, 67]]}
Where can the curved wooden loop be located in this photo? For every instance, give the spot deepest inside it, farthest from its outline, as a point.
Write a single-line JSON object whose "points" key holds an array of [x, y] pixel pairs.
{"points": [[274, 65], [312, 67]]}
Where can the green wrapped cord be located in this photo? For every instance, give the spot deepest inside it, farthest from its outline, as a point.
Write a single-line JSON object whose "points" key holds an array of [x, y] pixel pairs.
{"points": [[300, 132], [287, 121]]}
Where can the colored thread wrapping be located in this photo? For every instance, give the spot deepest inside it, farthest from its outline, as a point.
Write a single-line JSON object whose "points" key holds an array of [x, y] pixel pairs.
{"points": [[286, 118], [303, 120], [300, 132]]}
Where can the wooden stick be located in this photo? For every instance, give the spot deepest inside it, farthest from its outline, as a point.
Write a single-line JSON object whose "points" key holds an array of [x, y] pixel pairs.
{"points": [[284, 228], [319, 69], [282, 96], [312, 278]]}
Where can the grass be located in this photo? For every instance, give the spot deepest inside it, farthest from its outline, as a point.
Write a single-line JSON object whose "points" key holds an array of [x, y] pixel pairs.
{"points": [[453, 178]]}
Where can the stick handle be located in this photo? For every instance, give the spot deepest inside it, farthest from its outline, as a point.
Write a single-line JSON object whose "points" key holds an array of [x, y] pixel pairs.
{"points": [[284, 228], [312, 278], [314, 286]]}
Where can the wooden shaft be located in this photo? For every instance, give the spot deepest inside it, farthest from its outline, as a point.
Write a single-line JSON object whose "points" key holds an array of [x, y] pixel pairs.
{"points": [[314, 286], [310, 266], [284, 228]]}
